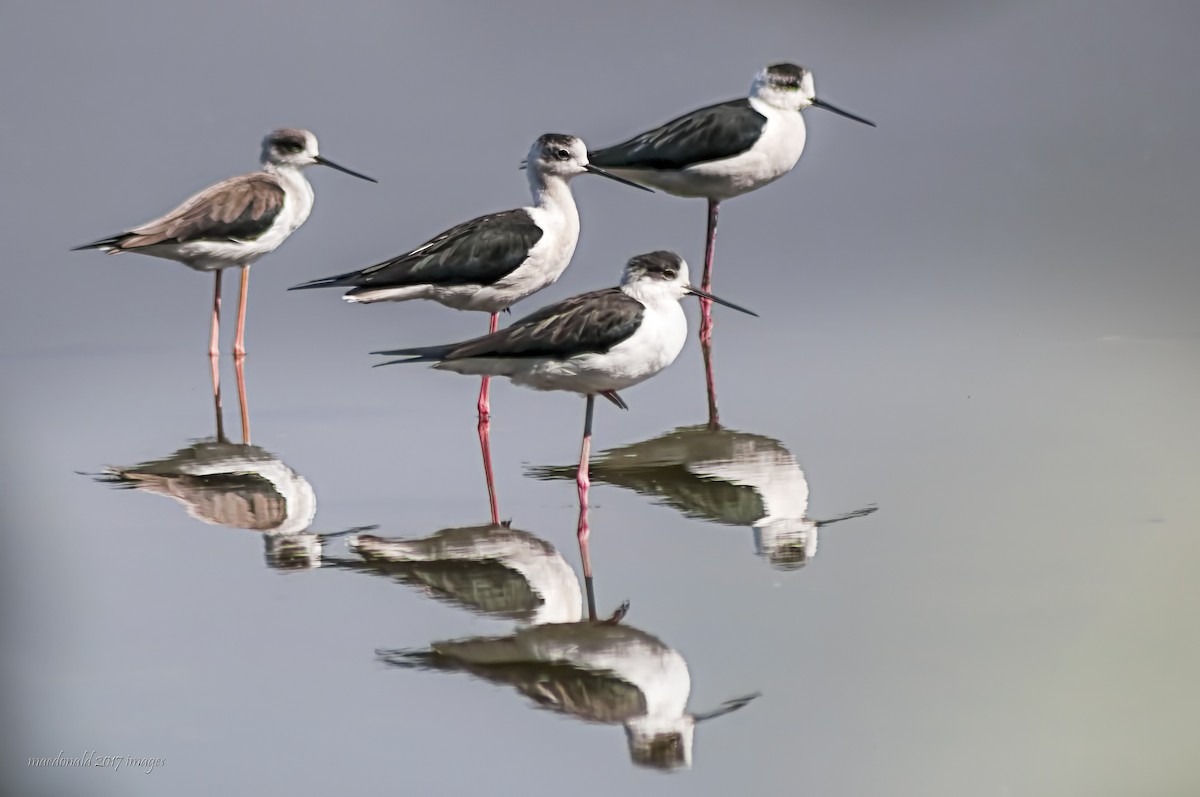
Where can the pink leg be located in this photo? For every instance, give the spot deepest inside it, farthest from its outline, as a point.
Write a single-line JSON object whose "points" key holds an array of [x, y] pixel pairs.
{"points": [[485, 432], [214, 338], [583, 482], [239, 342], [239, 365], [714, 420]]}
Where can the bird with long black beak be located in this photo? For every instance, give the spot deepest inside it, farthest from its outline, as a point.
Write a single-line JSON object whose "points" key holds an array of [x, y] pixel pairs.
{"points": [[594, 344], [234, 222], [489, 263], [722, 151]]}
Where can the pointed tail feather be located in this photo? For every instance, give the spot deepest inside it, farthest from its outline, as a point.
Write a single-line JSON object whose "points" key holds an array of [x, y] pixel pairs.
{"points": [[326, 282], [113, 242], [421, 354]]}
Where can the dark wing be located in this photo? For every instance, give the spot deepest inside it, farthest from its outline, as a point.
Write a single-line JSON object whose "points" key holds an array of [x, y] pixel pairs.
{"points": [[478, 252], [234, 500], [712, 133], [590, 696], [591, 323], [240, 208]]}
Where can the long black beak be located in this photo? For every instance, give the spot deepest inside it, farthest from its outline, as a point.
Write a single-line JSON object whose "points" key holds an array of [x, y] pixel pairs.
{"points": [[822, 104], [692, 289], [332, 165], [726, 707], [597, 170]]}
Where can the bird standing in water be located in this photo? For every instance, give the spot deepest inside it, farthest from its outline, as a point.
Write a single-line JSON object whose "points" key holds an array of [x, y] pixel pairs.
{"points": [[595, 344], [491, 262], [234, 222], [722, 151]]}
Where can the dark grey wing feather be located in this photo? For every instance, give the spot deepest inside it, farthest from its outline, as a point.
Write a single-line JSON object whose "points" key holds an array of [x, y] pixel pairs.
{"points": [[718, 131], [240, 208], [591, 323], [481, 251]]}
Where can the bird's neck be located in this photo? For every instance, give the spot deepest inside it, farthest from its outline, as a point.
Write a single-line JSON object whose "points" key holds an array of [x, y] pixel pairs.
{"points": [[551, 192], [654, 294], [286, 172]]}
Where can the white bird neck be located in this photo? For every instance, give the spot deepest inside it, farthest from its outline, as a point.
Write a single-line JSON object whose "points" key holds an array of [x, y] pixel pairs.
{"points": [[290, 176], [654, 294], [296, 188], [552, 193]]}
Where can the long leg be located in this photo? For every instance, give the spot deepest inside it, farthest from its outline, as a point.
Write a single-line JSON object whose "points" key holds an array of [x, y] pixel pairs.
{"points": [[239, 342], [214, 337], [239, 366], [485, 432], [590, 590], [220, 411], [583, 481], [714, 420]]}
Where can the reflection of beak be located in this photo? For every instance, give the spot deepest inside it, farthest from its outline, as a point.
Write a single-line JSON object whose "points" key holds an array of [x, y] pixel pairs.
{"points": [[725, 708], [332, 165], [692, 289], [848, 516], [822, 104], [597, 170], [326, 537]]}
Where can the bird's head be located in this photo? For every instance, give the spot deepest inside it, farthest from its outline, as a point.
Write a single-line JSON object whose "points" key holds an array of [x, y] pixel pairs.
{"points": [[790, 88], [663, 276], [297, 149]]}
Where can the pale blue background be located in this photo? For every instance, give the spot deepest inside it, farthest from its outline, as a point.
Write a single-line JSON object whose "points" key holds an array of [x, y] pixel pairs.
{"points": [[981, 316]]}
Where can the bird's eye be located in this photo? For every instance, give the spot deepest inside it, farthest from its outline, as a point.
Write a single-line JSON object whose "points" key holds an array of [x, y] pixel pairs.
{"points": [[562, 154], [669, 273]]}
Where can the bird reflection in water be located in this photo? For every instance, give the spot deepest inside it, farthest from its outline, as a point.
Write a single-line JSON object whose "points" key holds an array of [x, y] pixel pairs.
{"points": [[601, 672], [722, 476], [493, 570], [236, 485], [598, 671]]}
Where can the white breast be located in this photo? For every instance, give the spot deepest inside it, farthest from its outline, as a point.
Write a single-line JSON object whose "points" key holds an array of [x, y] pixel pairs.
{"points": [[775, 153], [654, 346], [213, 255], [547, 260]]}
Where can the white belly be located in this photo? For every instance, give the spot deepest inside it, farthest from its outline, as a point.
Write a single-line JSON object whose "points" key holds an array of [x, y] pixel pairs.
{"points": [[652, 348], [547, 260], [774, 155], [215, 255]]}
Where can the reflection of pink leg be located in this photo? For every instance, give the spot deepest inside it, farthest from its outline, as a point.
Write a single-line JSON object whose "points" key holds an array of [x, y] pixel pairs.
{"points": [[706, 315], [583, 481], [220, 412], [239, 365], [214, 338], [485, 432], [239, 342]]}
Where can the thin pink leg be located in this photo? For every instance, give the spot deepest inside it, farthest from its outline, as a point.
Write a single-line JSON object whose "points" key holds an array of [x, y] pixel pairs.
{"points": [[239, 342], [706, 324], [583, 482], [239, 366], [485, 432], [214, 338]]}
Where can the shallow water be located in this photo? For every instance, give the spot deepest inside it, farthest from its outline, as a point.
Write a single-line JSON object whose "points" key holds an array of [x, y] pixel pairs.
{"points": [[963, 327]]}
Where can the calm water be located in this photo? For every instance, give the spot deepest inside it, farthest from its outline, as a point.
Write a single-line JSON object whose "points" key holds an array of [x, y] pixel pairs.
{"points": [[965, 327]]}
